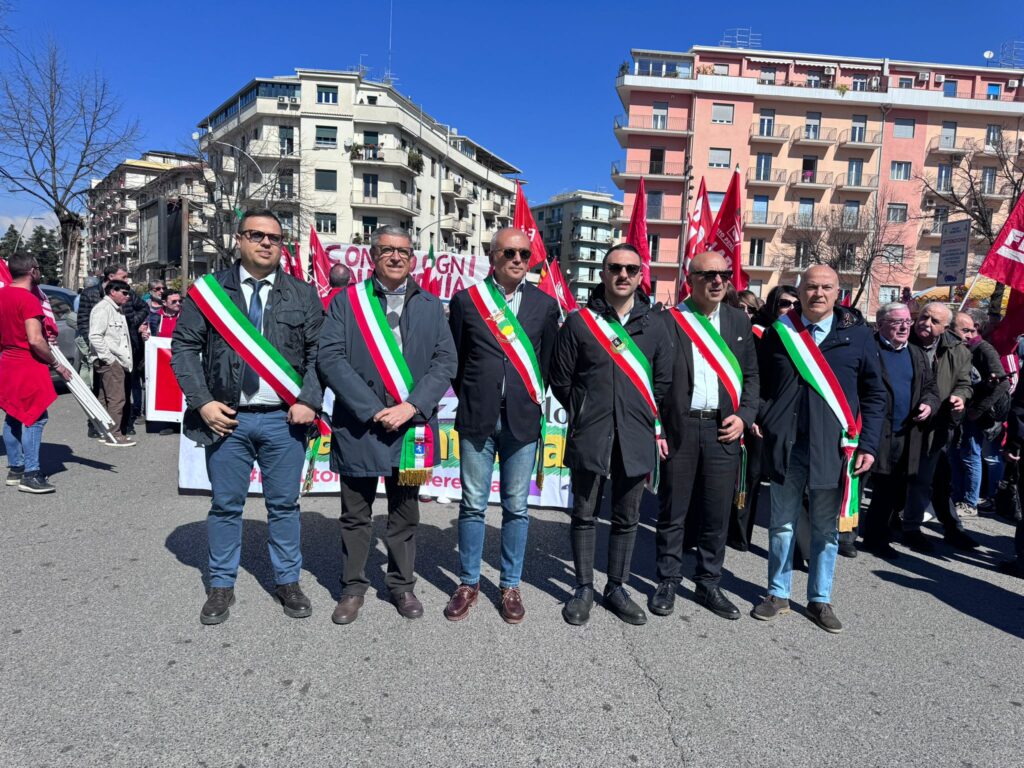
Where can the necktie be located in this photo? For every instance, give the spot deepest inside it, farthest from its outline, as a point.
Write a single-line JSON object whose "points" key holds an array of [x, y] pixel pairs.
{"points": [[251, 379]]}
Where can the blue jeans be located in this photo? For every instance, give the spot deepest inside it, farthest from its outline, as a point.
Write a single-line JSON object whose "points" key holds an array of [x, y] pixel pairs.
{"points": [[967, 470], [516, 468], [23, 442], [787, 502], [280, 449]]}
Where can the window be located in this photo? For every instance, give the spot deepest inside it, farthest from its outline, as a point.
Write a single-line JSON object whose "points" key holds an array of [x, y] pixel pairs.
{"points": [[764, 166], [860, 83], [845, 294], [854, 172], [326, 136], [993, 135], [326, 181], [858, 128], [888, 294], [286, 184], [660, 115], [369, 224], [715, 200], [988, 181], [814, 79], [287, 219], [847, 257], [805, 211], [993, 91], [812, 128], [403, 187], [719, 158], [653, 245], [766, 122], [722, 113], [327, 94], [759, 210], [721, 69], [756, 287], [802, 255], [756, 251], [949, 89], [540, 216], [851, 214], [939, 218], [767, 76], [905, 82], [896, 213], [944, 178], [370, 185], [947, 135], [893, 253], [654, 200], [433, 204], [903, 128], [286, 137], [371, 100], [326, 223], [900, 170]]}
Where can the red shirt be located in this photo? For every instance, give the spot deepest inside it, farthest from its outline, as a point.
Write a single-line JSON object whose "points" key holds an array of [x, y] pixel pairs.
{"points": [[26, 389], [167, 323]]}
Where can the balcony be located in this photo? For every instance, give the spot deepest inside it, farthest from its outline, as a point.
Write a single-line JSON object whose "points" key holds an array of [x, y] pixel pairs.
{"points": [[759, 177], [931, 231], [992, 192], [849, 223], [811, 135], [656, 169], [811, 179], [857, 182], [769, 133], [950, 145], [450, 188], [858, 138], [381, 157], [462, 227], [805, 222], [393, 201], [489, 207], [761, 220], [651, 125]]}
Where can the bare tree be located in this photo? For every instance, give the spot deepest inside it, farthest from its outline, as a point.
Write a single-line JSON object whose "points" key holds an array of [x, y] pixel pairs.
{"points": [[868, 242], [57, 131]]}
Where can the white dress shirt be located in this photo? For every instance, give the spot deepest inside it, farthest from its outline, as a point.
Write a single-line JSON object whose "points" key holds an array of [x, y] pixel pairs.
{"points": [[705, 380], [265, 395]]}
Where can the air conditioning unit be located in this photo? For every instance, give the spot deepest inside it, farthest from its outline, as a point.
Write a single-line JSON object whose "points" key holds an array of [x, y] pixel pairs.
{"points": [[281, 99], [922, 77], [928, 203], [293, 99], [1013, 83], [940, 79], [830, 70]]}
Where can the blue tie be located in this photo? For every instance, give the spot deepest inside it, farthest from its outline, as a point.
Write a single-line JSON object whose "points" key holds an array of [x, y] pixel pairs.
{"points": [[813, 330], [251, 379]]}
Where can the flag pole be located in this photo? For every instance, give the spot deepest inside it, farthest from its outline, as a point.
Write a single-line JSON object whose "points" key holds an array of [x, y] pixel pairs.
{"points": [[684, 240], [968, 294]]}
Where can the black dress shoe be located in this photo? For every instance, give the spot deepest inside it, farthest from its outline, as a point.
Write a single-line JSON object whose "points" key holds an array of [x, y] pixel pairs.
{"points": [[618, 601], [960, 540], [739, 546], [295, 603], [881, 549], [917, 541], [715, 601], [663, 601], [215, 609], [847, 549], [577, 610]]}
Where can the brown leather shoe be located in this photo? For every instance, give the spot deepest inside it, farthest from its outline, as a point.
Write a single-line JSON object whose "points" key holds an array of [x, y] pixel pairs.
{"points": [[465, 597], [512, 610], [408, 605], [347, 609]]}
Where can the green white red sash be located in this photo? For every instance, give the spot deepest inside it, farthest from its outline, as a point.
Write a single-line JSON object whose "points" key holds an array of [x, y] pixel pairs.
{"points": [[514, 342], [708, 342], [416, 460], [624, 352], [813, 368], [757, 329], [259, 354]]}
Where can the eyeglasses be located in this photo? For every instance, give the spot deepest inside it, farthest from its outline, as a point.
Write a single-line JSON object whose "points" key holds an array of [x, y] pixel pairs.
{"points": [[255, 236], [631, 269], [387, 251], [710, 274], [124, 291], [899, 323], [510, 254], [785, 303]]}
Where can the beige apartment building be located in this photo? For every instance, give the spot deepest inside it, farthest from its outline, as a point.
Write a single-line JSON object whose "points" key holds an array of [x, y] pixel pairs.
{"points": [[577, 228], [345, 155], [860, 159]]}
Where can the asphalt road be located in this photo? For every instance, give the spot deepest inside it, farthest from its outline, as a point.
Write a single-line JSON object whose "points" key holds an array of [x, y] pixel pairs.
{"points": [[103, 661]]}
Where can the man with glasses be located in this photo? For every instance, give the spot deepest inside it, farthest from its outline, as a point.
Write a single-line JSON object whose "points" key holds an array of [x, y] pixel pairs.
{"points": [[88, 299], [822, 407], [714, 397], [387, 353], [167, 316], [611, 368], [112, 357], [236, 407], [504, 330], [912, 400]]}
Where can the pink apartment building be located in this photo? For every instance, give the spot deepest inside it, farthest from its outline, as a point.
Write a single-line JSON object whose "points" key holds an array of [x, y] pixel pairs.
{"points": [[832, 150]]}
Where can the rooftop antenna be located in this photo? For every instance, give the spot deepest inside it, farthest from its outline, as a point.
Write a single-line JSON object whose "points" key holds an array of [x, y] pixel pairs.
{"points": [[988, 56], [391, 21], [740, 37], [1011, 54], [363, 70]]}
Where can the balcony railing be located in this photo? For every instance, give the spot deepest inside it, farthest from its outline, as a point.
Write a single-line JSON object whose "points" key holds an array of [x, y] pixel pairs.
{"points": [[860, 137], [806, 221], [814, 134], [952, 145], [653, 123], [765, 177], [664, 213], [761, 218], [769, 132], [857, 181], [395, 200], [811, 178], [1002, 191], [647, 168]]}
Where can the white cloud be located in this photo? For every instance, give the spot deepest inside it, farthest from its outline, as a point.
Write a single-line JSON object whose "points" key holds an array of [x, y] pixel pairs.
{"points": [[46, 220]]}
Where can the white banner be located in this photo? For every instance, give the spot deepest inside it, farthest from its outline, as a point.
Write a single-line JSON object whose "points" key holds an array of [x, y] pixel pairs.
{"points": [[454, 271]]}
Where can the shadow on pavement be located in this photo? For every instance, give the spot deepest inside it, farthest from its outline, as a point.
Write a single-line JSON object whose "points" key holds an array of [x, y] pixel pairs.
{"points": [[54, 458]]}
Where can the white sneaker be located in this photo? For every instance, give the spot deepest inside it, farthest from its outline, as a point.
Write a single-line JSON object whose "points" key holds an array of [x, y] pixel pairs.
{"points": [[119, 441], [963, 509], [443, 500]]}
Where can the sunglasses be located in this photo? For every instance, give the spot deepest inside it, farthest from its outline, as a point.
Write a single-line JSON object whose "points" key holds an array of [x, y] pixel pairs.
{"points": [[785, 303], [124, 291], [255, 236], [632, 270], [711, 274], [749, 309], [387, 251], [511, 254]]}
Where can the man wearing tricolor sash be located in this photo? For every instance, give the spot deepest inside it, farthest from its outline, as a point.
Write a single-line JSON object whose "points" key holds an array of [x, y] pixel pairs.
{"points": [[822, 406], [387, 353], [713, 399], [611, 369], [504, 330], [244, 353]]}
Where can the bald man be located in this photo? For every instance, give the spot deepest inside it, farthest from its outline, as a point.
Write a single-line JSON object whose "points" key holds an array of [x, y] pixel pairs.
{"points": [[812, 440]]}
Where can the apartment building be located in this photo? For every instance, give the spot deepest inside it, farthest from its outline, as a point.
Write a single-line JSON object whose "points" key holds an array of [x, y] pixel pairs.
{"points": [[854, 155], [345, 155], [112, 220], [577, 228]]}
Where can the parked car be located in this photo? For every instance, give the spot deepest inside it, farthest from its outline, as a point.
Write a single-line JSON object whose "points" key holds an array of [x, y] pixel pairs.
{"points": [[63, 302]]}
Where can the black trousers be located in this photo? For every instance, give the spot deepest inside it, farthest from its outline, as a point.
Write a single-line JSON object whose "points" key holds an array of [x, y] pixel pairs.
{"points": [[587, 492], [357, 495], [741, 521], [888, 496], [700, 477]]}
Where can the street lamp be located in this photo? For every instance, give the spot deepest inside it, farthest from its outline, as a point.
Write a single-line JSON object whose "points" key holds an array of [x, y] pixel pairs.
{"points": [[27, 220]]}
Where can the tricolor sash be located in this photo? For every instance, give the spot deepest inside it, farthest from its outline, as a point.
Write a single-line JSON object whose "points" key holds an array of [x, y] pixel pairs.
{"points": [[708, 342], [416, 459], [815, 370], [513, 341], [250, 344], [757, 329]]}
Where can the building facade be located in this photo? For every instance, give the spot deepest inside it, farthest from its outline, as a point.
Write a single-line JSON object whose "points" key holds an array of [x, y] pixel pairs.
{"points": [[854, 162], [345, 155], [577, 228]]}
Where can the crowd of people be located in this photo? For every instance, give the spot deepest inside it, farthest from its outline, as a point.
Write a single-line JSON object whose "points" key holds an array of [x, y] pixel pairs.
{"points": [[856, 431]]}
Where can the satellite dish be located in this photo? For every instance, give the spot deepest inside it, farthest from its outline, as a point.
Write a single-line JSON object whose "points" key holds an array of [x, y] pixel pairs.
{"points": [[988, 55]]}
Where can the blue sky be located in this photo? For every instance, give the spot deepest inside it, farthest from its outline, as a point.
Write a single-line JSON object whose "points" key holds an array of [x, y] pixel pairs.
{"points": [[532, 81]]}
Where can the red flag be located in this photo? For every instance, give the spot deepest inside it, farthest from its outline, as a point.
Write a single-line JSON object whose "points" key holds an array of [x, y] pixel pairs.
{"points": [[552, 282], [698, 229], [1005, 260], [321, 264], [522, 219], [50, 328], [427, 281], [5, 274], [637, 235], [846, 299], [1004, 335], [290, 264], [727, 231]]}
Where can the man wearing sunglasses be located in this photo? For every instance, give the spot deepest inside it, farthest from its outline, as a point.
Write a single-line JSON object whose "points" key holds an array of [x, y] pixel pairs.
{"points": [[235, 412], [504, 330], [112, 358], [612, 366], [714, 397]]}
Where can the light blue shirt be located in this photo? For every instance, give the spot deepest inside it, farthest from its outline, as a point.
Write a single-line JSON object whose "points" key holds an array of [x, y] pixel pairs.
{"points": [[705, 380], [822, 327]]}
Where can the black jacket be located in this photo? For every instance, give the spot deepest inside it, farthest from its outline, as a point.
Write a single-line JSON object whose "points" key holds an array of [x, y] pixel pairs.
{"points": [[600, 401], [90, 298], [952, 369], [851, 352], [483, 365], [208, 369], [735, 330], [359, 446], [990, 383], [922, 392]]}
